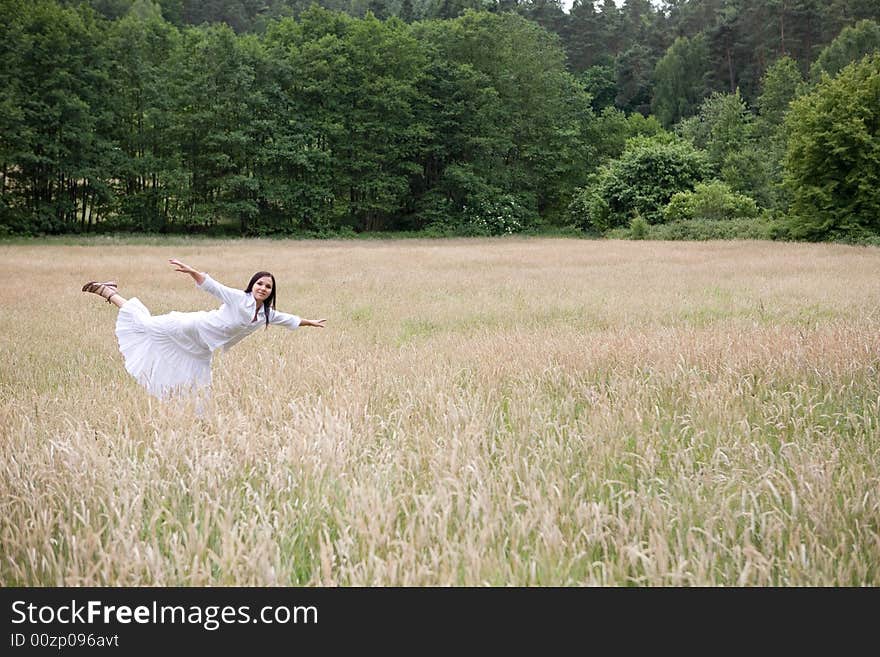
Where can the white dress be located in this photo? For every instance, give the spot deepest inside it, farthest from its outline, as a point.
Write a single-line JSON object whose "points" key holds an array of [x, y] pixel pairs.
{"points": [[171, 354]]}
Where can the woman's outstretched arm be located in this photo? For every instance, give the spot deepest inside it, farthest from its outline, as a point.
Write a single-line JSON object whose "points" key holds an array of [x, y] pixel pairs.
{"points": [[293, 321], [197, 276], [227, 295]]}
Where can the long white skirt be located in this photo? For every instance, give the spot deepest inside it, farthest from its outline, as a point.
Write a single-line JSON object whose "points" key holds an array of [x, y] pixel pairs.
{"points": [[163, 353]]}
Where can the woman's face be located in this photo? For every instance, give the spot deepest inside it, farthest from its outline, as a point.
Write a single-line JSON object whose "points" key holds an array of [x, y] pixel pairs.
{"points": [[262, 288]]}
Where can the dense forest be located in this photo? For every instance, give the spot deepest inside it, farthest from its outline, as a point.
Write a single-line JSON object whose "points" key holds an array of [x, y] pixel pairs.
{"points": [[676, 119]]}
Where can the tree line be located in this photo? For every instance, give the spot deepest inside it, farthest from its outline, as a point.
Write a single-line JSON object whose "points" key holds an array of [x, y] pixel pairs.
{"points": [[274, 117], [614, 50]]}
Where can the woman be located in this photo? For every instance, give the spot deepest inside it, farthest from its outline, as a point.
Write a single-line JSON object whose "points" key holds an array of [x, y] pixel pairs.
{"points": [[171, 354]]}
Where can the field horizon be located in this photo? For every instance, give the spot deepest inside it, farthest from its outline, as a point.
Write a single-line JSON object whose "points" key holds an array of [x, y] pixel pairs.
{"points": [[478, 412]]}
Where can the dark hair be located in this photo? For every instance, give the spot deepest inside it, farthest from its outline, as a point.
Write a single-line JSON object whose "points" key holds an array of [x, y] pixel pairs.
{"points": [[270, 300]]}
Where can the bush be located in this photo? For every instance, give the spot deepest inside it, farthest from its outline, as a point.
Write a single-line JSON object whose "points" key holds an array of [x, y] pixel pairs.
{"points": [[502, 215], [638, 228], [14, 221], [641, 181], [485, 213], [713, 201], [761, 228]]}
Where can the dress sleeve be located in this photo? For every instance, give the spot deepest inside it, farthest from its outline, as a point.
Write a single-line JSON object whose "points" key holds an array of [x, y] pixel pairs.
{"points": [[283, 319], [227, 295]]}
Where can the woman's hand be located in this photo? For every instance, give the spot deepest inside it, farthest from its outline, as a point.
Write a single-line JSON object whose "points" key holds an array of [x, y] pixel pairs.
{"points": [[312, 322], [197, 276], [181, 267]]}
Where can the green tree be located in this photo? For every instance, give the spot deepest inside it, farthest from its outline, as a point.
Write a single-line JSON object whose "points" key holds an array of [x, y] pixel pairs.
{"points": [[464, 118], [635, 68], [612, 128], [611, 33], [600, 81], [299, 127], [379, 9], [681, 80], [210, 84], [240, 15], [799, 25], [407, 11], [109, 8], [13, 130], [546, 13], [725, 129], [850, 45], [382, 133], [781, 84], [723, 126], [534, 147], [54, 86], [581, 36], [360, 89], [137, 49], [832, 165], [688, 17]]}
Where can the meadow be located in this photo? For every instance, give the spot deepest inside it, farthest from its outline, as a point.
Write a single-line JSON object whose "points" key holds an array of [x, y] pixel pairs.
{"points": [[511, 411]]}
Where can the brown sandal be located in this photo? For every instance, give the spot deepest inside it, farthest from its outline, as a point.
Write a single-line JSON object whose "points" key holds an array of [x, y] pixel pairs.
{"points": [[99, 288]]}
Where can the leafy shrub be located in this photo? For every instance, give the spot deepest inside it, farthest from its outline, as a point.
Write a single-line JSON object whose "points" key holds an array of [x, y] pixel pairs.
{"points": [[759, 228], [638, 228], [713, 200], [485, 213], [14, 221], [641, 181], [502, 215]]}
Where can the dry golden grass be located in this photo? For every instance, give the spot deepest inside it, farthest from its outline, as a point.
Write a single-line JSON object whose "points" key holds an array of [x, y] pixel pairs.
{"points": [[512, 411]]}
